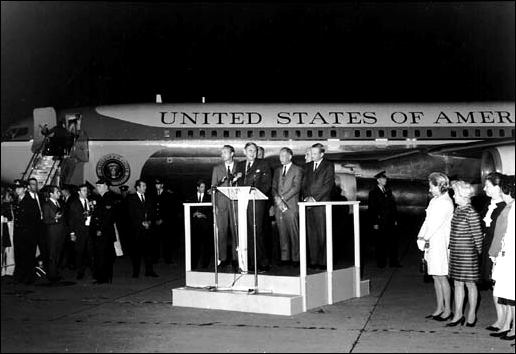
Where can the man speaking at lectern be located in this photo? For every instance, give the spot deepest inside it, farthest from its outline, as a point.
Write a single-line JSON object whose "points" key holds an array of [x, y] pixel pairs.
{"points": [[255, 173]]}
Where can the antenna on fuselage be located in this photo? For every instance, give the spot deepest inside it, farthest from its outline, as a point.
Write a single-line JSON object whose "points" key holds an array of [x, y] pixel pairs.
{"points": [[203, 100], [158, 98]]}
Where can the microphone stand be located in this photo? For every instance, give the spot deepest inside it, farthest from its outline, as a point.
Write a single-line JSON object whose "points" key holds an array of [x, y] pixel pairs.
{"points": [[254, 239], [215, 234]]}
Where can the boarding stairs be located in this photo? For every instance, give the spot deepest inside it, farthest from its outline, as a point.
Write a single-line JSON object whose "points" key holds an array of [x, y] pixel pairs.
{"points": [[44, 168]]}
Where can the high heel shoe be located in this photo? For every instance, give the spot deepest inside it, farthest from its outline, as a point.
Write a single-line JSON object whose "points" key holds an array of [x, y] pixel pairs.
{"points": [[493, 328], [460, 320], [499, 334], [442, 319], [472, 324], [432, 316]]}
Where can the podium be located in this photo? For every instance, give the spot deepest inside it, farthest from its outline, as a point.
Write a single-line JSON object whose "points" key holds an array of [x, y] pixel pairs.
{"points": [[243, 195]]}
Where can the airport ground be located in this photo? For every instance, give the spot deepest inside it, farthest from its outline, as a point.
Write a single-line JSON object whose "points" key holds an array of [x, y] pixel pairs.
{"points": [[137, 315]]}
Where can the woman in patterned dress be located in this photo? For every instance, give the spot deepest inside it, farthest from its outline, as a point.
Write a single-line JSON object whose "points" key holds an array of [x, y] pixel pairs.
{"points": [[465, 248], [433, 238]]}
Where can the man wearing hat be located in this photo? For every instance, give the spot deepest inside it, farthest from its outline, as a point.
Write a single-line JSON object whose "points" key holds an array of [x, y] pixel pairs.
{"points": [[26, 222], [162, 229], [383, 216], [103, 232]]}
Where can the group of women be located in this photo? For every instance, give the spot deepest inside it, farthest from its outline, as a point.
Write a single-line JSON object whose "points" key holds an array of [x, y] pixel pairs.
{"points": [[471, 249]]}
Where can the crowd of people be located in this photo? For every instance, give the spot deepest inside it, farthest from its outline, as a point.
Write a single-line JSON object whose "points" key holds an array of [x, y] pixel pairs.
{"points": [[468, 250], [465, 250]]}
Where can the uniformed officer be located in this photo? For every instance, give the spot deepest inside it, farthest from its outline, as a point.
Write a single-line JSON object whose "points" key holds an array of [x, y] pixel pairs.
{"points": [[25, 238]]}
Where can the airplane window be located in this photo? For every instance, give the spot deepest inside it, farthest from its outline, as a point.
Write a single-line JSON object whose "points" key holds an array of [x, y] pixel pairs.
{"points": [[357, 133], [202, 133], [381, 133], [273, 133], [226, 133], [309, 133], [249, 133], [368, 133], [320, 133], [429, 133], [477, 133], [490, 133], [166, 134], [261, 134], [214, 133], [393, 133], [405, 133], [298, 133], [238, 134], [285, 133], [347, 134], [512, 132], [465, 133], [190, 133], [417, 133], [502, 133], [333, 133], [453, 133], [178, 133]]}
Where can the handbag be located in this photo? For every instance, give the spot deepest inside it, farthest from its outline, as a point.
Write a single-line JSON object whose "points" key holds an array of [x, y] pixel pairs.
{"points": [[423, 266]]}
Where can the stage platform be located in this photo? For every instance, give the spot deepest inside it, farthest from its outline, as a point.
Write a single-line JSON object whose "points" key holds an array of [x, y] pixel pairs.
{"points": [[276, 295]]}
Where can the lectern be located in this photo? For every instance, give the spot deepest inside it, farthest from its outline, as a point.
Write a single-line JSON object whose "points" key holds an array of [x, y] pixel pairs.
{"points": [[243, 195]]}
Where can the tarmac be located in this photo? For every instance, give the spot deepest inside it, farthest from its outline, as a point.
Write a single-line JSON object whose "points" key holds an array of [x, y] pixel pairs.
{"points": [[136, 315]]}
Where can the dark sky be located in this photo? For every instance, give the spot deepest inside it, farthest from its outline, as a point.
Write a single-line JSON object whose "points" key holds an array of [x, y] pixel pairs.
{"points": [[66, 54]]}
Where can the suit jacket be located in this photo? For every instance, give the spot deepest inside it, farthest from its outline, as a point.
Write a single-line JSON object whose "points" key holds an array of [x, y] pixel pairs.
{"points": [[26, 214], [162, 206], [76, 217], [103, 218], [55, 227], [319, 184], [259, 175], [139, 212], [288, 188], [382, 207], [219, 173]]}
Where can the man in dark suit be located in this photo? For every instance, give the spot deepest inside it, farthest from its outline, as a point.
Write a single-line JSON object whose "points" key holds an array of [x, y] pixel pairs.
{"points": [[103, 232], [79, 220], [202, 232], [383, 215], [255, 173], [25, 237], [140, 212], [53, 217], [319, 178], [39, 198], [162, 228], [67, 258], [286, 187], [224, 175]]}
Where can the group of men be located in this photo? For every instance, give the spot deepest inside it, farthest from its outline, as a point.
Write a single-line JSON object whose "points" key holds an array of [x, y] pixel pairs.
{"points": [[287, 185], [81, 226]]}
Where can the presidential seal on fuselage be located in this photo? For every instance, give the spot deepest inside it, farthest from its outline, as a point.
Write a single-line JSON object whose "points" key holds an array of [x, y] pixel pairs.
{"points": [[114, 168]]}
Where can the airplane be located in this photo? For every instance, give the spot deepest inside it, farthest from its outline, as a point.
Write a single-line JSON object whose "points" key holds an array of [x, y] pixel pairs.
{"points": [[181, 143]]}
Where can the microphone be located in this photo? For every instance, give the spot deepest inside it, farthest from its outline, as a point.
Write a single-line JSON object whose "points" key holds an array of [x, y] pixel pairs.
{"points": [[222, 181], [237, 176]]}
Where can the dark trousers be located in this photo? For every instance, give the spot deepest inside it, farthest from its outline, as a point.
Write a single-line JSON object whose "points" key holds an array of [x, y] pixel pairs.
{"points": [[142, 248], [261, 255], [385, 245], [104, 255], [25, 242], [55, 243], [81, 250], [202, 242], [227, 232], [316, 234]]}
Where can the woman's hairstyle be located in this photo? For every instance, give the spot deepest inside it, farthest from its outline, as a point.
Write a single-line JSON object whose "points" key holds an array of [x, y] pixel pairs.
{"points": [[507, 185], [495, 178], [463, 189], [440, 180]]}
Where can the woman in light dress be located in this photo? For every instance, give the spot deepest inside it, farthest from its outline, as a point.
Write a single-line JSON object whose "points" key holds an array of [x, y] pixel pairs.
{"points": [[433, 238]]}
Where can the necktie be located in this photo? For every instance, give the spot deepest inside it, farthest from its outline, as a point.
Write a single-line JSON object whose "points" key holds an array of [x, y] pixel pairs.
{"points": [[199, 199], [143, 198], [248, 168], [229, 171], [315, 165], [284, 171], [85, 205]]}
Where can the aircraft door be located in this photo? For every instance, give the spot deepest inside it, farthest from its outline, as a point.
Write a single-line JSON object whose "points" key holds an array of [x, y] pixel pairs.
{"points": [[42, 116]]}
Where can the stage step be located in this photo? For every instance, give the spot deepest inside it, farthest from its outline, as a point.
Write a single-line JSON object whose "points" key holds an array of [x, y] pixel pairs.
{"points": [[242, 300]]}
